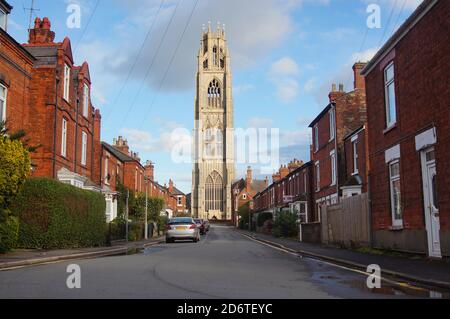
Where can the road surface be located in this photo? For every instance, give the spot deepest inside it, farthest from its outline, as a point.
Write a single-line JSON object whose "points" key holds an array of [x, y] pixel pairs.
{"points": [[224, 265]]}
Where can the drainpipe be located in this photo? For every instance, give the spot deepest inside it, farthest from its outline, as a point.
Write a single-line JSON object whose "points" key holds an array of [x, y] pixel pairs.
{"points": [[55, 124], [337, 152], [76, 134]]}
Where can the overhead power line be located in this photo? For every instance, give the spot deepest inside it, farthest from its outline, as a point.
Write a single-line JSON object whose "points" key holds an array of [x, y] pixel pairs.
{"points": [[149, 31], [170, 63], [138, 93]]}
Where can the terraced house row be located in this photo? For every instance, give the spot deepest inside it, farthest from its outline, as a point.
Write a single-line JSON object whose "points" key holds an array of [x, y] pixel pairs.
{"points": [[388, 140], [44, 92]]}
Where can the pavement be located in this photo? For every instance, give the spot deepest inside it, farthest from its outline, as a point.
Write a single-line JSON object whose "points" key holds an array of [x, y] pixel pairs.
{"points": [[223, 265], [431, 272], [21, 258]]}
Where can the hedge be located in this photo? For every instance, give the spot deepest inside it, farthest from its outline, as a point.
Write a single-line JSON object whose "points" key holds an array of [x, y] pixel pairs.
{"points": [[285, 225], [54, 215], [9, 233]]}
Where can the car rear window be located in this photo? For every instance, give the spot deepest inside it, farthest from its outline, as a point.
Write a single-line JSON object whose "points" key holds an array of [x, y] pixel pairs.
{"points": [[180, 221], [198, 221]]}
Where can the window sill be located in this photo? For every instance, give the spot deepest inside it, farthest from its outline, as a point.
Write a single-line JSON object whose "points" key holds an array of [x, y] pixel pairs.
{"points": [[390, 128], [396, 228]]}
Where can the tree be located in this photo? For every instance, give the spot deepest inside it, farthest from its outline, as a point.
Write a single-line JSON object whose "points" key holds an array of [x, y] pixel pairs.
{"points": [[15, 165], [244, 216]]}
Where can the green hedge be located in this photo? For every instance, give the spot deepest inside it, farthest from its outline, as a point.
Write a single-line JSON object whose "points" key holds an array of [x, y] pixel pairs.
{"points": [[54, 215], [285, 225], [9, 233]]}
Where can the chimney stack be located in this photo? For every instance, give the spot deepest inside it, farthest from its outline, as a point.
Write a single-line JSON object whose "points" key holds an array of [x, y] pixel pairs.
{"points": [[334, 94], [249, 178], [359, 80], [122, 145], [150, 170], [171, 186], [41, 33]]}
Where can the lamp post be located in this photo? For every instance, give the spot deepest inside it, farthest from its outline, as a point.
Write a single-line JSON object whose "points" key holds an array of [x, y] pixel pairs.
{"points": [[146, 179]]}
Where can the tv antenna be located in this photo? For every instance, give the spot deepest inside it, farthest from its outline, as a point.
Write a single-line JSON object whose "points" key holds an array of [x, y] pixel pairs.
{"points": [[32, 9]]}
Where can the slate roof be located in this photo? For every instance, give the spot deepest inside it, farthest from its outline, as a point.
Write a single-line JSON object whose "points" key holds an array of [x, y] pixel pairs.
{"points": [[177, 192], [121, 156]]}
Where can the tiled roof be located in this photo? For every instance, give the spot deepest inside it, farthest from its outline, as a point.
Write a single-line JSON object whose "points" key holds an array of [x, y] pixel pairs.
{"points": [[121, 156]]}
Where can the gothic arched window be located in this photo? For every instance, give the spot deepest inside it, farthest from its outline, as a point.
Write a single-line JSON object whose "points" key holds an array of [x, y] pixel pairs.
{"points": [[214, 94], [214, 193]]}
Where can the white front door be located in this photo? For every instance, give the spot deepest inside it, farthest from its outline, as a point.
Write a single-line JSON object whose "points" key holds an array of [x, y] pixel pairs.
{"points": [[431, 201]]}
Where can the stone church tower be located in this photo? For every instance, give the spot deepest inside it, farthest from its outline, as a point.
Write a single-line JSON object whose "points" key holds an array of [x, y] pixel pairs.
{"points": [[213, 171]]}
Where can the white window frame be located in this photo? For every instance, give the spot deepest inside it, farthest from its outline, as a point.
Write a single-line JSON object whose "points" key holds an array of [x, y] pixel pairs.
{"points": [[83, 148], [66, 82], [333, 168], [64, 138], [85, 100], [392, 180], [4, 26], [332, 124], [355, 157], [106, 172], [316, 137], [390, 104], [4, 100], [317, 172], [179, 201]]}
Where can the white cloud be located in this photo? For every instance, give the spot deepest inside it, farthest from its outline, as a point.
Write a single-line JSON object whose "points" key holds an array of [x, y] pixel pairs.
{"points": [[243, 88], [344, 75], [282, 74], [171, 136], [310, 85], [260, 122], [284, 67]]}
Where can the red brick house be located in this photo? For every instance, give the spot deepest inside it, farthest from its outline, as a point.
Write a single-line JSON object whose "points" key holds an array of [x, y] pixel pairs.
{"points": [[243, 191], [294, 193], [408, 94], [345, 113], [16, 66], [61, 116], [355, 159]]}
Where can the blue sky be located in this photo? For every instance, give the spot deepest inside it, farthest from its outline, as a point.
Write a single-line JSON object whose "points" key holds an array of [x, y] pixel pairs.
{"points": [[285, 56]]}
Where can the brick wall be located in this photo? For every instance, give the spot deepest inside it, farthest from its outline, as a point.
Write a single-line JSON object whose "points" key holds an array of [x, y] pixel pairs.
{"points": [[15, 74], [422, 98]]}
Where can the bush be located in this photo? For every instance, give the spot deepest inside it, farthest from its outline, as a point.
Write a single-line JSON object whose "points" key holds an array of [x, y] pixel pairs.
{"points": [[285, 225], [9, 233], [135, 231], [54, 215], [262, 218], [14, 166]]}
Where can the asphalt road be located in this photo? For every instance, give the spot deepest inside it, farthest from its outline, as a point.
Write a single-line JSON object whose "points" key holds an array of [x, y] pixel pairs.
{"points": [[224, 265]]}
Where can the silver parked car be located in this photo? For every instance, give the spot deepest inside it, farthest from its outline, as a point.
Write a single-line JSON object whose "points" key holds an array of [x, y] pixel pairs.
{"points": [[182, 228]]}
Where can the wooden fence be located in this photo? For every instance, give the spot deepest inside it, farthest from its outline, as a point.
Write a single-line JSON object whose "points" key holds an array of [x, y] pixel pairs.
{"points": [[347, 224]]}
